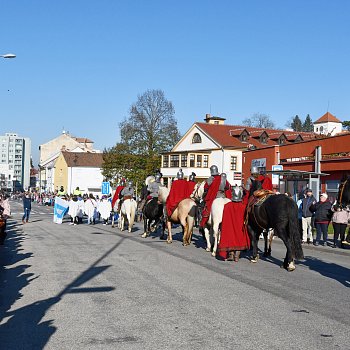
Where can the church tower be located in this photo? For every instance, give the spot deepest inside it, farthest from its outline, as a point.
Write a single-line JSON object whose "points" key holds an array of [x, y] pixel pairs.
{"points": [[328, 125]]}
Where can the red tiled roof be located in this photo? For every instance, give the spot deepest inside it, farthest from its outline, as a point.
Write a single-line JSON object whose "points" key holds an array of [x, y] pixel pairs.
{"points": [[228, 135], [76, 159], [328, 117]]}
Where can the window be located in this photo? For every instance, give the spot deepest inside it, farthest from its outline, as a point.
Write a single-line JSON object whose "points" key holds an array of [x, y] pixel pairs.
{"points": [[205, 161], [233, 163], [196, 138], [282, 140], [174, 161], [244, 136], [263, 138], [199, 161], [183, 160], [165, 161], [192, 160], [321, 128]]}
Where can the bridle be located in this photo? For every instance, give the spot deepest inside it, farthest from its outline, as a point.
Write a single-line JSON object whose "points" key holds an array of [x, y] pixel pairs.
{"points": [[342, 190]]}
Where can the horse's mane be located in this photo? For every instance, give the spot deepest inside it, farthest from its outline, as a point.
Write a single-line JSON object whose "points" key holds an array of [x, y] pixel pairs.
{"points": [[343, 197]]}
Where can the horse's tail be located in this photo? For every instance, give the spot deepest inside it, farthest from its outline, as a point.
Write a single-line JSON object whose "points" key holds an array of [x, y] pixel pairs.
{"points": [[293, 227]]}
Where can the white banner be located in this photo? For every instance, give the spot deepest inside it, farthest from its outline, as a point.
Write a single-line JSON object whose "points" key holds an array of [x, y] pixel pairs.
{"points": [[59, 210]]}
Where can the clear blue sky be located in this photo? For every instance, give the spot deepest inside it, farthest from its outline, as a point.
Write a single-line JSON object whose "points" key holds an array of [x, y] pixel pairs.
{"points": [[81, 64]]}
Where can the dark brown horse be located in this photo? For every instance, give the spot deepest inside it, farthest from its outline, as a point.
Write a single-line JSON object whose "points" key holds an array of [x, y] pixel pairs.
{"points": [[280, 213], [343, 197]]}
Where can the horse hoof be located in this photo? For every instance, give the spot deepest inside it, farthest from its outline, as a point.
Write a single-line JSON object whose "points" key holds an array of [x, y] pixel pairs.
{"points": [[162, 238], [207, 249], [291, 267], [144, 235], [213, 254], [169, 241], [254, 260]]}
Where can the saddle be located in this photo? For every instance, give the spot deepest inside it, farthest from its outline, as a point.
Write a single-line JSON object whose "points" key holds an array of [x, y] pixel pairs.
{"points": [[256, 200], [127, 197]]}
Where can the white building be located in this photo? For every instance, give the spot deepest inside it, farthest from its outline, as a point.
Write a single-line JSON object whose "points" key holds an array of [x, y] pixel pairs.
{"points": [[328, 125], [79, 169], [15, 153], [50, 151], [214, 143]]}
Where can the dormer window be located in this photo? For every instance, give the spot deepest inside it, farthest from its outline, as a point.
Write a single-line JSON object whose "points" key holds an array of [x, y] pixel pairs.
{"points": [[196, 138], [282, 140], [244, 136], [263, 138]]}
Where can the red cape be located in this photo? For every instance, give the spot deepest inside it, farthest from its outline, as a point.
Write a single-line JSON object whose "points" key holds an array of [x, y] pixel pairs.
{"points": [[234, 234], [116, 195], [211, 195], [266, 182], [178, 192], [190, 188]]}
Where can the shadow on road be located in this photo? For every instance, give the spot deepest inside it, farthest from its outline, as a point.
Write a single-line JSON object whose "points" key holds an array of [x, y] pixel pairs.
{"points": [[23, 328], [330, 270]]}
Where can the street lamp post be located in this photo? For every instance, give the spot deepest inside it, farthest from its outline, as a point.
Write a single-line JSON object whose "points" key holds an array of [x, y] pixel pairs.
{"points": [[8, 55]]}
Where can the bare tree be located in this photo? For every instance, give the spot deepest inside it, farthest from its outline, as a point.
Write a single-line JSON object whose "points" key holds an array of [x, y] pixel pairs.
{"points": [[259, 120], [151, 127]]}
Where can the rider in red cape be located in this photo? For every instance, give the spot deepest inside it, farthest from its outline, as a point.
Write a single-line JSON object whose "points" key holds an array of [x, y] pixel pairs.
{"points": [[265, 182], [178, 192], [234, 235], [216, 187], [117, 192], [191, 184]]}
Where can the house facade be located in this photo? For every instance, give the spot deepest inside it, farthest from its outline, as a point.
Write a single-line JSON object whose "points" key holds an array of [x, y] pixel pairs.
{"points": [[215, 143], [79, 169], [323, 155], [50, 151]]}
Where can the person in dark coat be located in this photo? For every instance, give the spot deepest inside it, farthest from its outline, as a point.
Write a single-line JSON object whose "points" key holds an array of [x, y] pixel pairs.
{"points": [[27, 207], [323, 215]]}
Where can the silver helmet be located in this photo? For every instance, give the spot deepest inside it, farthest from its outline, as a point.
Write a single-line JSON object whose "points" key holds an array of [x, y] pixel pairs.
{"points": [[130, 183], [254, 170], [180, 175], [192, 177], [237, 194], [214, 170], [158, 177]]}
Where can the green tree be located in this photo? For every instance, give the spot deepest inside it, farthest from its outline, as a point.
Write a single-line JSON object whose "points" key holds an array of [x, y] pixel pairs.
{"points": [[346, 125], [308, 125], [259, 120], [296, 124], [151, 127]]}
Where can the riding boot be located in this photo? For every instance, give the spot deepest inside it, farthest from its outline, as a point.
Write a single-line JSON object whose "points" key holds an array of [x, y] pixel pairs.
{"points": [[231, 256]]}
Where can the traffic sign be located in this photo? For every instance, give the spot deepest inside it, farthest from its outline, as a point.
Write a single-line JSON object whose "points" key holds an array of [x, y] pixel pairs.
{"points": [[105, 188]]}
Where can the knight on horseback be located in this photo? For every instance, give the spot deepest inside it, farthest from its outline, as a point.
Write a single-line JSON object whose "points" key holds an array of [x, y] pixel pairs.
{"points": [[127, 206], [116, 198], [152, 210], [179, 190], [216, 186]]}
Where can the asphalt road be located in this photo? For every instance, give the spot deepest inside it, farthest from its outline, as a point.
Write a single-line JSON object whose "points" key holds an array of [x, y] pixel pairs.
{"points": [[94, 287]]}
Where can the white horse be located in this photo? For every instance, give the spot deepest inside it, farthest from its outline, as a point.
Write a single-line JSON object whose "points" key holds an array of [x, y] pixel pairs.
{"points": [[127, 211], [211, 230]]}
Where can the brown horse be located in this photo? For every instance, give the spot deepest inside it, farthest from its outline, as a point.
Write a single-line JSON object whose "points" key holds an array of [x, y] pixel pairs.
{"points": [[184, 214]]}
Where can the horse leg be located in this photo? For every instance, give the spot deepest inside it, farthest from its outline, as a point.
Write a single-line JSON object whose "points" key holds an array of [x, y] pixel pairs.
{"points": [[145, 225], [272, 233], [288, 262], [254, 236], [207, 238], [170, 237], [215, 234], [162, 236], [265, 233]]}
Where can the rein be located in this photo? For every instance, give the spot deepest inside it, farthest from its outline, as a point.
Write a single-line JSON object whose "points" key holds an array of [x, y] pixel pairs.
{"points": [[342, 190]]}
